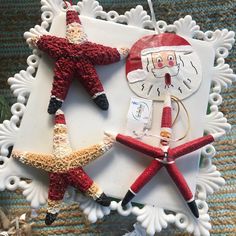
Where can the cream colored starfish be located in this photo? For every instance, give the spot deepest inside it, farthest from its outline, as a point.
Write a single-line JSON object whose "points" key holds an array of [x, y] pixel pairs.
{"points": [[65, 167]]}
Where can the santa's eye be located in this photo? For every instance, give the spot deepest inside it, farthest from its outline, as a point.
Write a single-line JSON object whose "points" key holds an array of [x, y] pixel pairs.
{"points": [[170, 58], [159, 59]]}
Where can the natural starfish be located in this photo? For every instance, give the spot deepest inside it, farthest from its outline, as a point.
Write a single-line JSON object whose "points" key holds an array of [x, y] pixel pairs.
{"points": [[65, 167], [164, 156], [76, 57]]}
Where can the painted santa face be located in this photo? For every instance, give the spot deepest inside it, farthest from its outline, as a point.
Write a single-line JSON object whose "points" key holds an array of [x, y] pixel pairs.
{"points": [[168, 65], [164, 62], [75, 33], [163, 59], [165, 137]]}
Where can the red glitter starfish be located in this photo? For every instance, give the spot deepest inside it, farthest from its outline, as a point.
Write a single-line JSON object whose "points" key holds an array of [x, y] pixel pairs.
{"points": [[76, 57], [164, 156]]}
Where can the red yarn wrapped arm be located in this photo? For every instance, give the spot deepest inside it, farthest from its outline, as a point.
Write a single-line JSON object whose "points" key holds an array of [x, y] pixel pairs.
{"points": [[102, 55], [146, 176], [179, 181], [52, 45], [139, 146], [191, 146]]}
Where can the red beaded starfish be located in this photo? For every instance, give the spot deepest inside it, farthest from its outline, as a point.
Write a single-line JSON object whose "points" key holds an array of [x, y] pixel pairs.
{"points": [[164, 156], [76, 57]]}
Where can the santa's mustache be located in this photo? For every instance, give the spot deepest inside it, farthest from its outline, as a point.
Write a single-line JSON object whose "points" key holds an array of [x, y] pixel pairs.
{"points": [[160, 73]]}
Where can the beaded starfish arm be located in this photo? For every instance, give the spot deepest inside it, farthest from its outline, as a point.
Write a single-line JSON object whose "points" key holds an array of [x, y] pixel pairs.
{"points": [[64, 71], [102, 55], [49, 44], [38, 160], [89, 78], [140, 146]]}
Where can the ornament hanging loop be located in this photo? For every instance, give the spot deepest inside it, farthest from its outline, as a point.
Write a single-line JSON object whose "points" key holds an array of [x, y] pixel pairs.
{"points": [[153, 17], [178, 101], [67, 6]]}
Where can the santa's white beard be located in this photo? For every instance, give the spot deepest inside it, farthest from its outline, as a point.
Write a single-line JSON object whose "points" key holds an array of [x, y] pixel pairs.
{"points": [[160, 73], [77, 39]]}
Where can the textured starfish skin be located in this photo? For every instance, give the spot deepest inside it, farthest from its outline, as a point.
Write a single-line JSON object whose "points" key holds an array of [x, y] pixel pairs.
{"points": [[77, 61], [52, 163], [65, 168]]}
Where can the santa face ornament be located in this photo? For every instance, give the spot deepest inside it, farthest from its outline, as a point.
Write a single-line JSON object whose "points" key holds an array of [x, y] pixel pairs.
{"points": [[163, 63]]}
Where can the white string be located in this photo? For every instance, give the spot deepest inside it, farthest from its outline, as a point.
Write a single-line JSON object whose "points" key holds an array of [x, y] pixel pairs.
{"points": [[153, 16], [145, 133]]}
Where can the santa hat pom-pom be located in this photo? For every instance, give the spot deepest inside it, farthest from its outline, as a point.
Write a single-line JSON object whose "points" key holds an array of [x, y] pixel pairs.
{"points": [[60, 117], [72, 17]]}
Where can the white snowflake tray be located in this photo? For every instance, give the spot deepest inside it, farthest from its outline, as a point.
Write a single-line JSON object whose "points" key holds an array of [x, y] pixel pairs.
{"points": [[30, 127]]}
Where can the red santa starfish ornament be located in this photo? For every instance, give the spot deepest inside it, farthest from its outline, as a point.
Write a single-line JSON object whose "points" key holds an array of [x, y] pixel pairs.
{"points": [[65, 168], [164, 156], [76, 57]]}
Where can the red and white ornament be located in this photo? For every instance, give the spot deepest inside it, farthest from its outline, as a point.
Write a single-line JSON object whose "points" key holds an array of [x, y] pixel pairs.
{"points": [[76, 57], [163, 62]]}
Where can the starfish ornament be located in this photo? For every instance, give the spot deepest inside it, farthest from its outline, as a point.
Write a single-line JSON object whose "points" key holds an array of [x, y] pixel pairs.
{"points": [[75, 56], [164, 156], [65, 167]]}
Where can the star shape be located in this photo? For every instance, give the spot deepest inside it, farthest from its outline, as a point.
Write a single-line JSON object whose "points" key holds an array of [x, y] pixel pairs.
{"points": [[75, 57], [164, 156], [65, 167]]}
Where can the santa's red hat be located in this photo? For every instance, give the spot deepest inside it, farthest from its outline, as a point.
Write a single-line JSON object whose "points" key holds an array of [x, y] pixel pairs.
{"points": [[155, 43], [166, 121], [60, 117], [72, 17]]}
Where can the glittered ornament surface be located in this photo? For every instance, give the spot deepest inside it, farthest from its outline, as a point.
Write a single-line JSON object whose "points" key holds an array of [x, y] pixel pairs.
{"points": [[165, 156]]}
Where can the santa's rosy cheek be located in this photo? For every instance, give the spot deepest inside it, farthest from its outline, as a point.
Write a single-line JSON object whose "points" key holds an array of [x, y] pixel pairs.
{"points": [[171, 63], [159, 64]]}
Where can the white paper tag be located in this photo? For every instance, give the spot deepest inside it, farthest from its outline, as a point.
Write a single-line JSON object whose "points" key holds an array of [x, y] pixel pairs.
{"points": [[139, 115]]}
